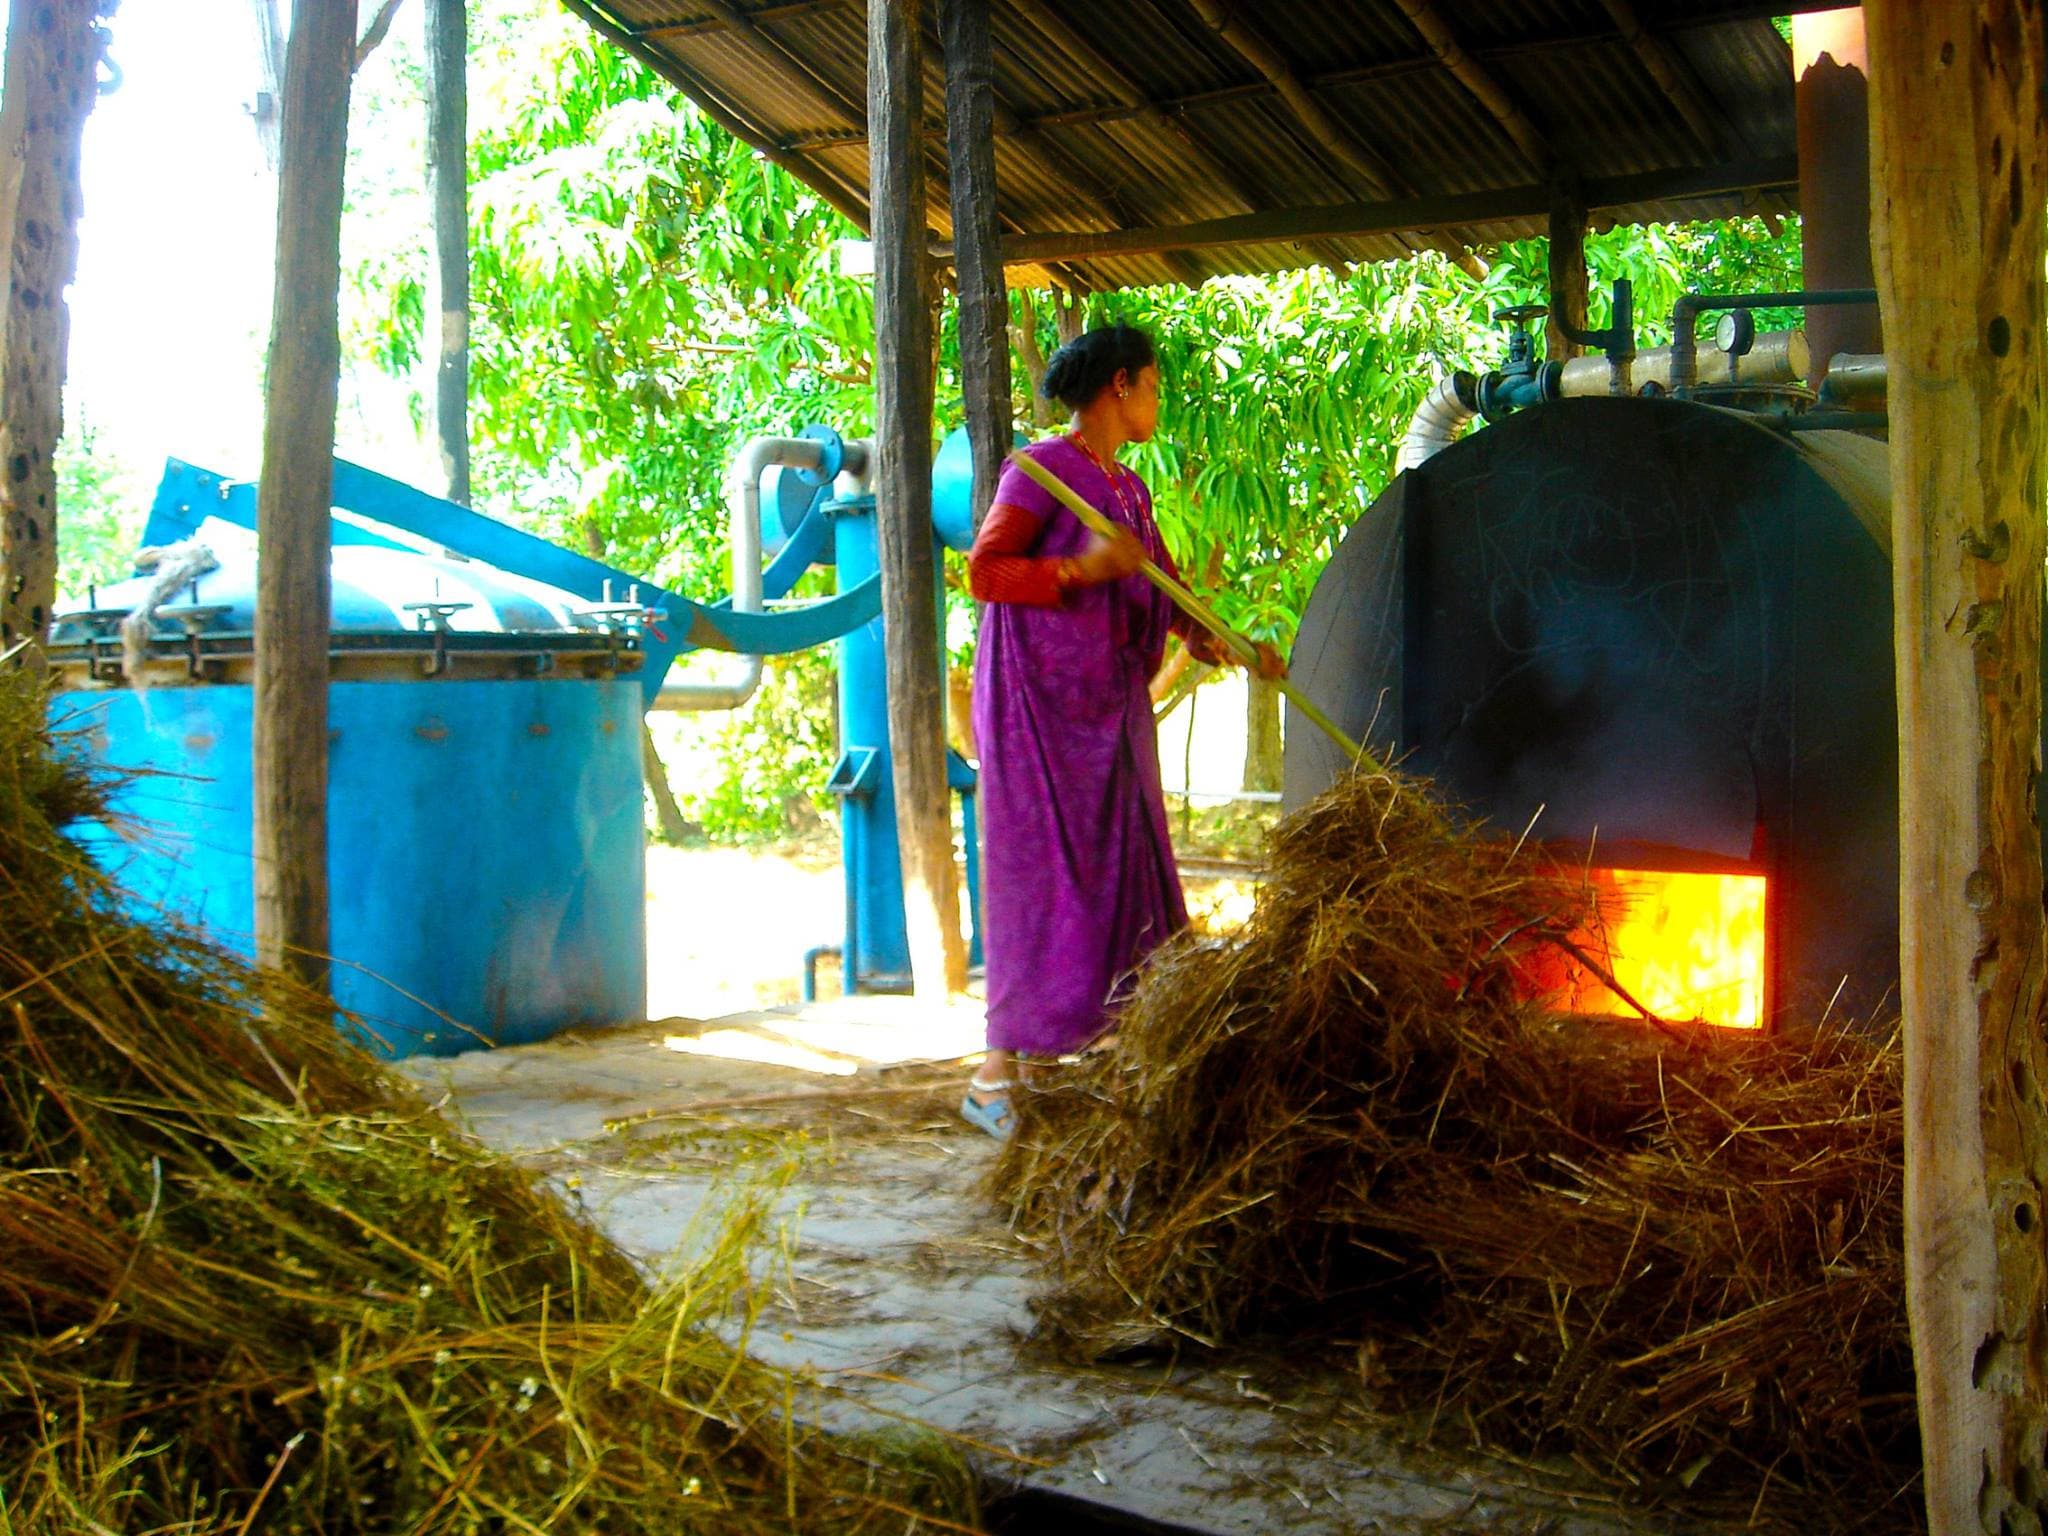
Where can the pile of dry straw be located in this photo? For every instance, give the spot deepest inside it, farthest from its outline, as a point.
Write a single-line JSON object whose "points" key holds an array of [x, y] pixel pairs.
{"points": [[249, 1283], [1672, 1253]]}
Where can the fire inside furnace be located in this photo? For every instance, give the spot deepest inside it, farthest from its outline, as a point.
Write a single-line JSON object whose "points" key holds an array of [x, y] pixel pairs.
{"points": [[1686, 946]]}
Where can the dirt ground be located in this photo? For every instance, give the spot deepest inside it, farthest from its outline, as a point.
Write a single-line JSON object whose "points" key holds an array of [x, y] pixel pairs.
{"points": [[727, 927], [892, 1282]]}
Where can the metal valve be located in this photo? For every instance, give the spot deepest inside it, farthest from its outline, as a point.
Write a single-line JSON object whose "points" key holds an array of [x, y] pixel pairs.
{"points": [[1517, 318]]}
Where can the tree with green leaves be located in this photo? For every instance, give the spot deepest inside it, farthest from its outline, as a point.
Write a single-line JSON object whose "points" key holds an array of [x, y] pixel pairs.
{"points": [[648, 293]]}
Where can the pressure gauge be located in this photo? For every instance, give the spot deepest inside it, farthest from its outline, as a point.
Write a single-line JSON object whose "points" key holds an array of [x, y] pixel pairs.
{"points": [[1735, 333]]}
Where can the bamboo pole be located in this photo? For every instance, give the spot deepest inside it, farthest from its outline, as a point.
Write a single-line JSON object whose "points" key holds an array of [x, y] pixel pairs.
{"points": [[1244, 649]]}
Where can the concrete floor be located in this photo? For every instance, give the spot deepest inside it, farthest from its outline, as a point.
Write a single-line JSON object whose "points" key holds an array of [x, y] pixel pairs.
{"points": [[904, 1295]]}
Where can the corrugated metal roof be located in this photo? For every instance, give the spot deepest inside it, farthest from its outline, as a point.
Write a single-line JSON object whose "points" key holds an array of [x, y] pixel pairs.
{"points": [[1140, 116]]}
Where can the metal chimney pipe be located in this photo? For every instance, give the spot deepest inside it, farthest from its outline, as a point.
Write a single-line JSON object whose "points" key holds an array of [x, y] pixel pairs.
{"points": [[1831, 83]]}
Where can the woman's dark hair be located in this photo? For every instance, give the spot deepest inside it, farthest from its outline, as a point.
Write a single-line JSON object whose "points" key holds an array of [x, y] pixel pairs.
{"points": [[1087, 365]]}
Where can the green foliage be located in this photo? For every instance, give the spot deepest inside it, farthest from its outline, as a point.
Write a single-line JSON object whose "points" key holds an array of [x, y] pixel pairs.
{"points": [[100, 513], [648, 293], [775, 755]]}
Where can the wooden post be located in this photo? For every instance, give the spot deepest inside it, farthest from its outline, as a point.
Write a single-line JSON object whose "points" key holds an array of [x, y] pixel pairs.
{"points": [[903, 498], [293, 505], [448, 190], [53, 51], [1567, 271], [977, 238], [1960, 170]]}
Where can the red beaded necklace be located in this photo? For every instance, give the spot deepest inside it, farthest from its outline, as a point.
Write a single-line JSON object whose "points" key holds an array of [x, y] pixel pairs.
{"points": [[1115, 474]]}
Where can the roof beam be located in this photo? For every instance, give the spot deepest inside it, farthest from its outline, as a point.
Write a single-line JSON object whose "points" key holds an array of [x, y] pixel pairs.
{"points": [[1171, 110], [781, 10], [1256, 50], [1095, 200], [718, 22], [1484, 85], [788, 62], [1380, 178], [1672, 75], [847, 199], [1352, 220], [1127, 90]]}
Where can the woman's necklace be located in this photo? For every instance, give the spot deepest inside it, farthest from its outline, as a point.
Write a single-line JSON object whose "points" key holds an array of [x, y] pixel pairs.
{"points": [[1115, 475]]}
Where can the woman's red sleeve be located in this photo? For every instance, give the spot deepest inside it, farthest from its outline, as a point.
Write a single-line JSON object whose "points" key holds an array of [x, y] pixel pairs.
{"points": [[999, 569]]}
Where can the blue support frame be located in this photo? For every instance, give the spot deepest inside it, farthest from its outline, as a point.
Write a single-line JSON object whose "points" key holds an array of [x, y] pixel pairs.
{"points": [[188, 495]]}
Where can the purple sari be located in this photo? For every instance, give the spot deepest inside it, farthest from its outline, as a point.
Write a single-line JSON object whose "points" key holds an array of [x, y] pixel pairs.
{"points": [[1080, 883]]}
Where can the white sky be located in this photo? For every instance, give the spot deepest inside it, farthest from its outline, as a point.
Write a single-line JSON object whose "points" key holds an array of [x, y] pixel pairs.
{"points": [[171, 303]]}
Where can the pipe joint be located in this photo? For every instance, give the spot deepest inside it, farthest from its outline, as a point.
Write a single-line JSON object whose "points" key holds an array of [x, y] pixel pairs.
{"points": [[1446, 411], [743, 506]]}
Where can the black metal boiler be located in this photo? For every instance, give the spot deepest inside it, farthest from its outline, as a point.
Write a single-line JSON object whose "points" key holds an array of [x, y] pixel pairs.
{"points": [[1665, 624]]}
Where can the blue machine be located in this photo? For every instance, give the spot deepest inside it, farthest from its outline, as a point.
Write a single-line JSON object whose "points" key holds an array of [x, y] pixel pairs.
{"points": [[876, 953], [487, 852], [486, 862]]}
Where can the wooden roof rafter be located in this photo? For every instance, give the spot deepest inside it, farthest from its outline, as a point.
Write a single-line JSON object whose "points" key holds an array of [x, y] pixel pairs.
{"points": [[1660, 59], [1102, 202], [1106, 71], [1339, 220], [1263, 55], [1295, 127], [1485, 86], [1673, 77]]}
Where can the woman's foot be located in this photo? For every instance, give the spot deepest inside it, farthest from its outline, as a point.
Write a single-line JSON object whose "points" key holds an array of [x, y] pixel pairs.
{"points": [[987, 1107]]}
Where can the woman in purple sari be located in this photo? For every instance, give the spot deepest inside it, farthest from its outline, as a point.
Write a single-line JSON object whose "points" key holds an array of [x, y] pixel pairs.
{"points": [[1080, 883]]}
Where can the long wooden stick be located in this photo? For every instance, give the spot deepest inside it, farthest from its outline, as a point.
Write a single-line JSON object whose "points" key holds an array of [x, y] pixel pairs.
{"points": [[1240, 646]]}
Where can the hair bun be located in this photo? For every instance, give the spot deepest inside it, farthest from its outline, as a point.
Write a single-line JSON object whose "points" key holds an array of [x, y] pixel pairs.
{"points": [[1089, 364]]}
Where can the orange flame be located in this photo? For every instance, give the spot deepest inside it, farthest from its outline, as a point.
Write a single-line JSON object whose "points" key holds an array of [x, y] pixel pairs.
{"points": [[1685, 946]]}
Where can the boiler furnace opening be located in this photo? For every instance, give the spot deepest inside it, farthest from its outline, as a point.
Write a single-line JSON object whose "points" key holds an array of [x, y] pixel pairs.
{"points": [[1686, 946]]}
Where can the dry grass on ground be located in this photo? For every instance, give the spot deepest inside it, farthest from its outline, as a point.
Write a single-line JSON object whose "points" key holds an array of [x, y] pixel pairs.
{"points": [[250, 1282], [1672, 1253]]}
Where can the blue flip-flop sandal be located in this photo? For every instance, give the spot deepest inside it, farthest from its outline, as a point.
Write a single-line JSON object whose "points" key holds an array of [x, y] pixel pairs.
{"points": [[996, 1116]]}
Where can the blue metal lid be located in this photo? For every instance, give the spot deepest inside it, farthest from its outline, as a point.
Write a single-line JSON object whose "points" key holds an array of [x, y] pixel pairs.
{"points": [[376, 590]]}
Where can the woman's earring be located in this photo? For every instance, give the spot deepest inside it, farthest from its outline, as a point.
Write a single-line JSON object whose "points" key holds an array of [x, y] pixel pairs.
{"points": [[1123, 394]]}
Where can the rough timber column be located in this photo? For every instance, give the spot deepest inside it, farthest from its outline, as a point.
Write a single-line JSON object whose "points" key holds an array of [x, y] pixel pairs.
{"points": [[903, 497], [53, 50], [1567, 271], [448, 191], [1959, 166], [293, 506], [977, 238]]}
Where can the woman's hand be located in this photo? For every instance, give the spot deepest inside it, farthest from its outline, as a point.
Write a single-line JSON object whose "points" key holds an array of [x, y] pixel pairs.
{"points": [[1212, 651], [1271, 665], [1108, 559]]}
